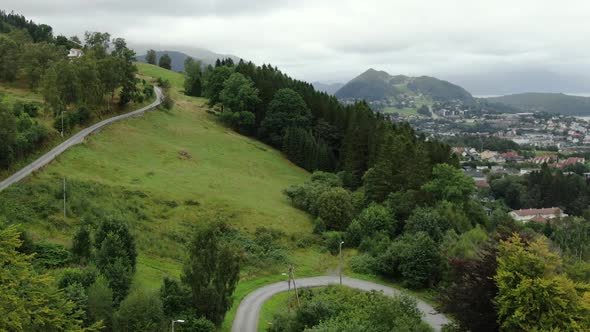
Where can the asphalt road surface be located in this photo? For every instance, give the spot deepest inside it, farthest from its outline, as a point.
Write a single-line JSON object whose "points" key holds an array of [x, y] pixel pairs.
{"points": [[246, 319], [76, 139]]}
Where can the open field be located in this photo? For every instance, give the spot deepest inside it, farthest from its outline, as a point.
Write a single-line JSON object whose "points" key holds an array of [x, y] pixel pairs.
{"points": [[164, 172]]}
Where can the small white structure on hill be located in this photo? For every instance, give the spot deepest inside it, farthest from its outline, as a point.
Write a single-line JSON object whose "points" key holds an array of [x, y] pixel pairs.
{"points": [[75, 53]]}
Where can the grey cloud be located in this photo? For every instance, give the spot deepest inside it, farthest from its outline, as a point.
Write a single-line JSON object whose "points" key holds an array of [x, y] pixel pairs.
{"points": [[334, 40]]}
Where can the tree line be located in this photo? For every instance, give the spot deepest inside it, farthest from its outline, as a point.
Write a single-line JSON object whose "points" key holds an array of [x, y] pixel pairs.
{"points": [[75, 90]]}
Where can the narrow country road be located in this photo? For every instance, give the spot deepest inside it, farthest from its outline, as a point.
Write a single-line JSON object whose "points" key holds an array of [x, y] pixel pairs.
{"points": [[246, 319], [76, 139]]}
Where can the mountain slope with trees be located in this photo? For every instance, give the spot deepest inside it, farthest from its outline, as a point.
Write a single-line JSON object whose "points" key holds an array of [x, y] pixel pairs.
{"points": [[547, 102], [373, 85]]}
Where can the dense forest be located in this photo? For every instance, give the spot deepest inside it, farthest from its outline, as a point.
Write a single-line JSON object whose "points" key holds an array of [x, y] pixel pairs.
{"points": [[76, 90], [415, 217]]}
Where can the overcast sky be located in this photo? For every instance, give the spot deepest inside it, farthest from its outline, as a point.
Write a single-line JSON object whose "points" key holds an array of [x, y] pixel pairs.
{"points": [[334, 40]]}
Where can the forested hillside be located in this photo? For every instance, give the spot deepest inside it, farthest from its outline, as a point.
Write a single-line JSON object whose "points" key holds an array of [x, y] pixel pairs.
{"points": [[374, 85]]}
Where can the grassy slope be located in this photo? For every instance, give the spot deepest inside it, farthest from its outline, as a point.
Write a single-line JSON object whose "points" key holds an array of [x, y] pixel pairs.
{"points": [[172, 170], [17, 91]]}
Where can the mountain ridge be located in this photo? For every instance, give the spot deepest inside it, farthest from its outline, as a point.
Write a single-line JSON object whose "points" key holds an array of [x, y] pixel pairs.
{"points": [[378, 85], [560, 103]]}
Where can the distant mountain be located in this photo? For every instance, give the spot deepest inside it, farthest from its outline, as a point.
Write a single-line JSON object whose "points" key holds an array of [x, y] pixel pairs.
{"points": [[503, 82], [205, 56], [327, 88], [547, 102], [374, 85]]}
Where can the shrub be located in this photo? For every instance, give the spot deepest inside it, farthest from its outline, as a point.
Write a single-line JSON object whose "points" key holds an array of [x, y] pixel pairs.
{"points": [[364, 264], [51, 255], [84, 276], [140, 311], [335, 208], [332, 241]]}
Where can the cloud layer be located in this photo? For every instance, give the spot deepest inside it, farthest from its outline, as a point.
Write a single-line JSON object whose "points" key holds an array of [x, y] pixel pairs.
{"points": [[333, 40]]}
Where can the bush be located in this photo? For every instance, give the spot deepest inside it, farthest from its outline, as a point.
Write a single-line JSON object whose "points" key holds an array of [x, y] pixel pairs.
{"points": [[140, 311], [51, 255], [414, 258], [192, 324], [335, 208], [364, 264], [332, 241], [84, 276]]}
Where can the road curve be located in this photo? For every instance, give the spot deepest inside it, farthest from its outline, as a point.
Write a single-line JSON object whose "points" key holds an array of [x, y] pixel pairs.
{"points": [[246, 319], [76, 139]]}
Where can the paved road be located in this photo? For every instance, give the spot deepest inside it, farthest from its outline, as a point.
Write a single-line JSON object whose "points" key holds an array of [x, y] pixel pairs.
{"points": [[76, 139], [246, 319]]}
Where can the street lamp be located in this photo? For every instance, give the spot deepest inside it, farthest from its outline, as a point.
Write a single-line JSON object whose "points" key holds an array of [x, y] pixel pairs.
{"points": [[176, 321], [62, 123], [288, 291], [340, 268]]}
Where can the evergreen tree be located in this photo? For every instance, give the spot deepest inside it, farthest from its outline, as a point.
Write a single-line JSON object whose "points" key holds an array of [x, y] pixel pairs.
{"points": [[81, 245], [165, 62], [150, 57], [193, 84]]}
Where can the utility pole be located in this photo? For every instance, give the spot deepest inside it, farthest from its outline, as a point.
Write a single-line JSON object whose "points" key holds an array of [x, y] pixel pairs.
{"points": [[340, 262], [292, 272], [65, 198]]}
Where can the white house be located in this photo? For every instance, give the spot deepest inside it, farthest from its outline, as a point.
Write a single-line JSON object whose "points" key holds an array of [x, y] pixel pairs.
{"points": [[537, 215], [75, 53]]}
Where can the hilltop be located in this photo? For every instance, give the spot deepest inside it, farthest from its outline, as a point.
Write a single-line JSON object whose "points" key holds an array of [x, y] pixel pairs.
{"points": [[547, 102], [374, 85], [205, 56]]}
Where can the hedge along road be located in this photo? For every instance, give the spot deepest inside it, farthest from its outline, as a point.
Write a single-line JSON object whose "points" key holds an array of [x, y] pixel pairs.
{"points": [[75, 139], [246, 319]]}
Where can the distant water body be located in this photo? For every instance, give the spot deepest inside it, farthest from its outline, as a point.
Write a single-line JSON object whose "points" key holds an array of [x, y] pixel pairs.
{"points": [[579, 94]]}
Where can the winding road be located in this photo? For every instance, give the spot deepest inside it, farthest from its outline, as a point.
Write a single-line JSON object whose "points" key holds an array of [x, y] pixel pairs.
{"points": [[75, 139], [247, 316]]}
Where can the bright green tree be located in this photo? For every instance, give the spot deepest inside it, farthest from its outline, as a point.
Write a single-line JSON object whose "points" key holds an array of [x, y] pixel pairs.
{"points": [[449, 184], [211, 271], [28, 300], [533, 295]]}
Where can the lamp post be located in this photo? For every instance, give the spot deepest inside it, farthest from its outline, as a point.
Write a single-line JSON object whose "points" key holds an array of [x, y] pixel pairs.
{"points": [[176, 321], [62, 123], [340, 263]]}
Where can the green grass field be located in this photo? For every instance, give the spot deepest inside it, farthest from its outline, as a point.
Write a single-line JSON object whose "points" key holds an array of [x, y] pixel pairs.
{"points": [[401, 111], [164, 172]]}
